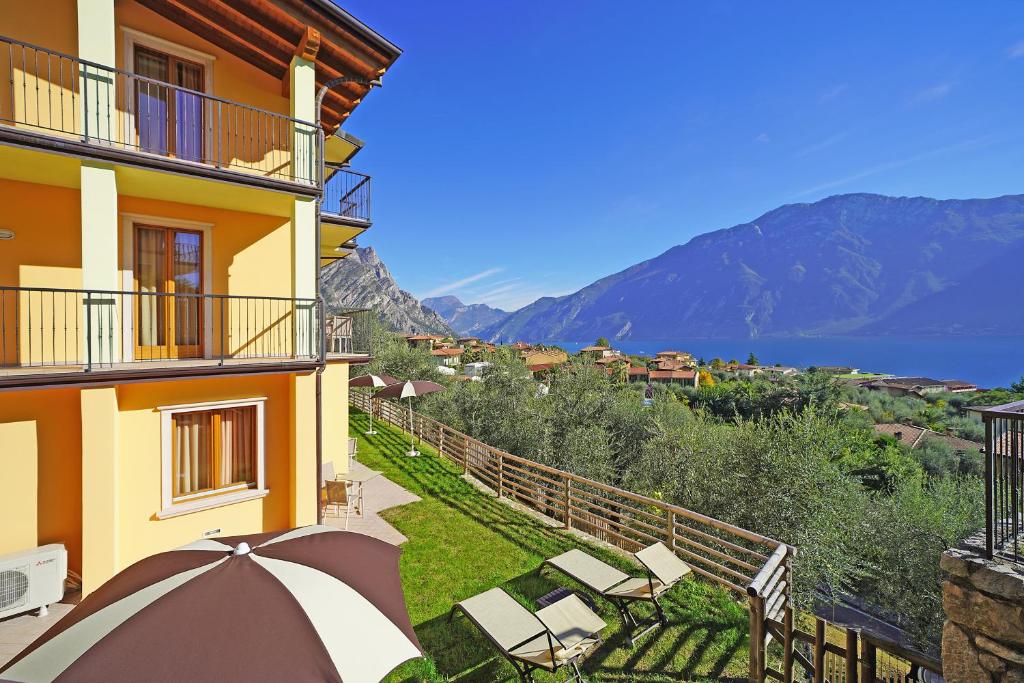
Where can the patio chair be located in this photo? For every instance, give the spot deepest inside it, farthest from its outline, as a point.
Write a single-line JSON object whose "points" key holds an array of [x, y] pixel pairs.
{"points": [[343, 497], [664, 570], [557, 636], [353, 448]]}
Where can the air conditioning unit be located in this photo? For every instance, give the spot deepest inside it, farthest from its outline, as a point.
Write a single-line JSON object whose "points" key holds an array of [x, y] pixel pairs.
{"points": [[32, 579]]}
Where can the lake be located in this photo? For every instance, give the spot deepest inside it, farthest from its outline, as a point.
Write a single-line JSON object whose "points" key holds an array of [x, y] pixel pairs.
{"points": [[986, 361]]}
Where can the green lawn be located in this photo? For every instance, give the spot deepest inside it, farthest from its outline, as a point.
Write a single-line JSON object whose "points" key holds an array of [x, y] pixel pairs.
{"points": [[463, 542]]}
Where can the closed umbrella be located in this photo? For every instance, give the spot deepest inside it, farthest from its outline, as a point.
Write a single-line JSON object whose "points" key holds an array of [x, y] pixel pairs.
{"points": [[309, 604], [410, 389], [375, 382]]}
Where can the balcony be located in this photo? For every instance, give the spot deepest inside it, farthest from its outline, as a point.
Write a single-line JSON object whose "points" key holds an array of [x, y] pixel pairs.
{"points": [[74, 334], [346, 196], [56, 101], [1004, 482]]}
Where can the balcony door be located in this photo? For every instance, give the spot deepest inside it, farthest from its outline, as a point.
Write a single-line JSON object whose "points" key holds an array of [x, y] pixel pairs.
{"points": [[169, 309], [168, 121]]}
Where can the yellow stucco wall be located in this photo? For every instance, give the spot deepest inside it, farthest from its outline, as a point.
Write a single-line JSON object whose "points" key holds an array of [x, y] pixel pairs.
{"points": [[55, 28], [40, 490], [19, 461], [335, 415], [139, 530], [47, 248]]}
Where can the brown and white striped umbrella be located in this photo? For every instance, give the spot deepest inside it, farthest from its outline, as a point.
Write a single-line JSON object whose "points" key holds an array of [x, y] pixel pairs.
{"points": [[309, 604], [375, 381]]}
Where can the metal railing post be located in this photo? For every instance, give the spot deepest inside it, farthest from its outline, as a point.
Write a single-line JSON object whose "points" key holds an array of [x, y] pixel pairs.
{"points": [[88, 332]]}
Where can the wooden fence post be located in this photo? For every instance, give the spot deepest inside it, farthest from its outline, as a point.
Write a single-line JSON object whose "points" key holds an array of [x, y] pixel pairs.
{"points": [[787, 644], [440, 439], [757, 649], [568, 503], [671, 529], [851, 656], [501, 474], [819, 651], [465, 454], [867, 661]]}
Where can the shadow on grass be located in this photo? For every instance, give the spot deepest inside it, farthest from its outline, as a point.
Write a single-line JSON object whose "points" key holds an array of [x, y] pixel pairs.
{"points": [[463, 541]]}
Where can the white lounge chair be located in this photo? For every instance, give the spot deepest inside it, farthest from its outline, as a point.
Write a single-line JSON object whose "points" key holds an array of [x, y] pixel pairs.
{"points": [[558, 635], [664, 570]]}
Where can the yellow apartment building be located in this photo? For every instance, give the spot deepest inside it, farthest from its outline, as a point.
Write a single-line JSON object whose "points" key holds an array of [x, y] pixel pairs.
{"points": [[167, 370]]}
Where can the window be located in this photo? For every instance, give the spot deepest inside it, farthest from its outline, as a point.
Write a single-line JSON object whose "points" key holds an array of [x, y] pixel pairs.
{"points": [[212, 454]]}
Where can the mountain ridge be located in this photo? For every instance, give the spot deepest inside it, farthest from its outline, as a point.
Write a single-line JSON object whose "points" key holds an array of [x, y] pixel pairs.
{"points": [[842, 264], [465, 319], [362, 280]]}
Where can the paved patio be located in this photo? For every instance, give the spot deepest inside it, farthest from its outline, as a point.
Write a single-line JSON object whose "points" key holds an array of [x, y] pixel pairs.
{"points": [[16, 633], [379, 493]]}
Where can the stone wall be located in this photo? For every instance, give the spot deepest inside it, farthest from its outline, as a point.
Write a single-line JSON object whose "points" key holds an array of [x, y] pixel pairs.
{"points": [[983, 637]]}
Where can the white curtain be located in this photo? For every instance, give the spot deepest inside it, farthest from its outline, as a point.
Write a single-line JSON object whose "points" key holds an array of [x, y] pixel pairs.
{"points": [[238, 445], [150, 271], [193, 458]]}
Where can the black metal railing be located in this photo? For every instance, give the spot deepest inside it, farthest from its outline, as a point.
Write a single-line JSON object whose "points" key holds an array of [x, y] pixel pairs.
{"points": [[347, 194], [1004, 481], [62, 95], [72, 329], [349, 332]]}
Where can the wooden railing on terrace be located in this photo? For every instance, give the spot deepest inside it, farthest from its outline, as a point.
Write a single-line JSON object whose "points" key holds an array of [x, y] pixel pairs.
{"points": [[754, 566]]}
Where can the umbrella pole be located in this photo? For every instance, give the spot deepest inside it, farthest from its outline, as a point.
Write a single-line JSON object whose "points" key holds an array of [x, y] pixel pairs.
{"points": [[412, 433], [371, 431]]}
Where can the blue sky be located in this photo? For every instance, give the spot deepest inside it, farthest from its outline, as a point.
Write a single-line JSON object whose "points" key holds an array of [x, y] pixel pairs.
{"points": [[522, 149]]}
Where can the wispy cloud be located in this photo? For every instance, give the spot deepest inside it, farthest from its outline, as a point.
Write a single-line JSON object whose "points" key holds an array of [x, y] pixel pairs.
{"points": [[1016, 51], [458, 284], [931, 93], [832, 92], [823, 144], [762, 138], [896, 163]]}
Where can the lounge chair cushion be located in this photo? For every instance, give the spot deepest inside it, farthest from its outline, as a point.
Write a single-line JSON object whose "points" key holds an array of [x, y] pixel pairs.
{"points": [[503, 619], [588, 570], [663, 563]]}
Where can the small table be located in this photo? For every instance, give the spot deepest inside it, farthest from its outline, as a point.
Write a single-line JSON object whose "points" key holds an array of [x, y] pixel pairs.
{"points": [[358, 477]]}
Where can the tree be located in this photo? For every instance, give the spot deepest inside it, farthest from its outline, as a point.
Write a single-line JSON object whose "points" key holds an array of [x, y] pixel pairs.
{"points": [[733, 361], [1018, 386], [602, 341], [706, 380], [717, 363], [752, 359]]}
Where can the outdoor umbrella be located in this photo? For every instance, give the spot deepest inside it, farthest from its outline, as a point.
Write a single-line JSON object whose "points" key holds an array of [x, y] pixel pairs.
{"points": [[409, 389], [309, 604], [374, 381]]}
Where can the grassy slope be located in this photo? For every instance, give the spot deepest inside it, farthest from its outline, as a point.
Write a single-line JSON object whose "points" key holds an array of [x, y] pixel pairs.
{"points": [[463, 542]]}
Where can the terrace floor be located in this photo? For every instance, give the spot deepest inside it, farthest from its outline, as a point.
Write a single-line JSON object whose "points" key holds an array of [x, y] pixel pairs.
{"points": [[463, 541]]}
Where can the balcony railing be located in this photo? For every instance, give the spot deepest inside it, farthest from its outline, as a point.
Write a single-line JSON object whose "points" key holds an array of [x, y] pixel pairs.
{"points": [[60, 95], [1004, 481], [52, 330], [349, 333], [347, 195]]}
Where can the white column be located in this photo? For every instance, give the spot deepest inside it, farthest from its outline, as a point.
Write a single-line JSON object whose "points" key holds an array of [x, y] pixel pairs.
{"points": [[98, 90], [302, 90], [304, 239], [101, 337]]}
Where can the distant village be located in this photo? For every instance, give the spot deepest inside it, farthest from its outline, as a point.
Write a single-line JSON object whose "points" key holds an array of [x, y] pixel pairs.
{"points": [[465, 359]]}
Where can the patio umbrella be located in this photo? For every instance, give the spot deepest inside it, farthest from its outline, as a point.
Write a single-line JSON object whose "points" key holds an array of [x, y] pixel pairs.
{"points": [[308, 604], [372, 381], [409, 390]]}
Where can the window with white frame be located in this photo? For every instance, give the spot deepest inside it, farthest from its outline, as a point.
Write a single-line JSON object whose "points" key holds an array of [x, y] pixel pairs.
{"points": [[212, 451]]}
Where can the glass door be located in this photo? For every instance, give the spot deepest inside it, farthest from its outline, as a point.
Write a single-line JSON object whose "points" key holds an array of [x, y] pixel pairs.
{"points": [[168, 120], [170, 311]]}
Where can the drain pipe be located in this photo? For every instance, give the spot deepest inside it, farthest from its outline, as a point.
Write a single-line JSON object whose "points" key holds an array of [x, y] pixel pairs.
{"points": [[321, 308]]}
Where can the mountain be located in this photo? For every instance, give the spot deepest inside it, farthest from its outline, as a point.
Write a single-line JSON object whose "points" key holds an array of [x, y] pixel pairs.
{"points": [[848, 264], [363, 281], [466, 319]]}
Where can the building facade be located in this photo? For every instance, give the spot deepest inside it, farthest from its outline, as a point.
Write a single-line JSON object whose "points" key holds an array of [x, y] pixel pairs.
{"points": [[164, 373]]}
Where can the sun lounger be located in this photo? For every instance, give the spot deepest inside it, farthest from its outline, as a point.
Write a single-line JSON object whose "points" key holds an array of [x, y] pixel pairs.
{"points": [[556, 636], [664, 570]]}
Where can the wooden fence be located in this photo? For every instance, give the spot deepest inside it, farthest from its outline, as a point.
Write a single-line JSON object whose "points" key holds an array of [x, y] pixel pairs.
{"points": [[747, 563]]}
